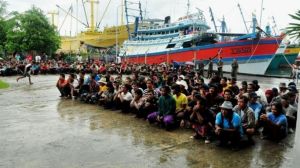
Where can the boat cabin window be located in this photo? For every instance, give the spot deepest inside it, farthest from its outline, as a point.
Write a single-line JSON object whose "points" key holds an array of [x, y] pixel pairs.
{"points": [[170, 45], [187, 44]]}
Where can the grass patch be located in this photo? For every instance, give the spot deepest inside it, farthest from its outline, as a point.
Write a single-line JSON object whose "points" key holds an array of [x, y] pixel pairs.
{"points": [[3, 85]]}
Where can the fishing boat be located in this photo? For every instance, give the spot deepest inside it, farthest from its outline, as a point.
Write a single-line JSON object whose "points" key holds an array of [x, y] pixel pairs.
{"points": [[189, 39], [94, 38]]}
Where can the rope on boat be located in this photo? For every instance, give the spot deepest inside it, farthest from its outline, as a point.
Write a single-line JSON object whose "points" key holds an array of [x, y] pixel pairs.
{"points": [[253, 51], [284, 55]]}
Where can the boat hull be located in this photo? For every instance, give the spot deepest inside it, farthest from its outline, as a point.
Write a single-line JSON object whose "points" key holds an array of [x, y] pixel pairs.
{"points": [[285, 60], [253, 56], [107, 38]]}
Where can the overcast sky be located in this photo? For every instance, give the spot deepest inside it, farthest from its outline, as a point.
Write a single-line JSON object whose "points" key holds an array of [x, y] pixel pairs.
{"points": [[174, 8]]}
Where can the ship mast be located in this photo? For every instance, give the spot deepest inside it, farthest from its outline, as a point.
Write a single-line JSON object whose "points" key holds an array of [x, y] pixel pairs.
{"points": [[93, 26], [239, 6], [188, 8], [122, 13]]}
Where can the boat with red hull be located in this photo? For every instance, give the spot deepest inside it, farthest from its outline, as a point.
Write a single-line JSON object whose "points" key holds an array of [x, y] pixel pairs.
{"points": [[188, 40]]}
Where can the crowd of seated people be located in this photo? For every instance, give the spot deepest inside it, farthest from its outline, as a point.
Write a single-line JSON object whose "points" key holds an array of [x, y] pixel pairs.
{"points": [[222, 109]]}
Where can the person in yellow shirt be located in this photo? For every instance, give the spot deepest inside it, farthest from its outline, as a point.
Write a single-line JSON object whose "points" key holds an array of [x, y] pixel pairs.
{"points": [[102, 87], [181, 104]]}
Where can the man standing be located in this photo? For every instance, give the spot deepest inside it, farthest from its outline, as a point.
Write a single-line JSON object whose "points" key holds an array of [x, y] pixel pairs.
{"points": [[220, 67], [234, 68], [201, 68], [210, 69], [38, 58]]}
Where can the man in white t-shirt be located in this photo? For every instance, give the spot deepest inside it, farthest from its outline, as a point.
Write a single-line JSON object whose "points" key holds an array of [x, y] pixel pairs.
{"points": [[38, 58], [125, 98]]}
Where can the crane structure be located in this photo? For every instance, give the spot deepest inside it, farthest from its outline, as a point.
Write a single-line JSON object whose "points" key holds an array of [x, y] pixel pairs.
{"points": [[213, 19], [239, 6]]}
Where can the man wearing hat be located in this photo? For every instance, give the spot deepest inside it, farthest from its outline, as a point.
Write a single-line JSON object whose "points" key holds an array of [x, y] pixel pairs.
{"points": [[102, 87], [228, 125], [181, 81]]}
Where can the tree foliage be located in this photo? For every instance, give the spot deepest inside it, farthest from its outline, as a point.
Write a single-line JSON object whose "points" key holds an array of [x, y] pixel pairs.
{"points": [[294, 28], [3, 5], [31, 31]]}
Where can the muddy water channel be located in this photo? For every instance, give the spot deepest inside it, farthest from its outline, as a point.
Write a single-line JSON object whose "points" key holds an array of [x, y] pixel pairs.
{"points": [[38, 129]]}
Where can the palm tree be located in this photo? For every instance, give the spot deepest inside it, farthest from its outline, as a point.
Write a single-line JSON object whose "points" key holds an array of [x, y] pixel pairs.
{"points": [[294, 29]]}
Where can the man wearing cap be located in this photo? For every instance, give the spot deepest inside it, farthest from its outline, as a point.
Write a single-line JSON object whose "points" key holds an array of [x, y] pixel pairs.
{"points": [[228, 126], [247, 116]]}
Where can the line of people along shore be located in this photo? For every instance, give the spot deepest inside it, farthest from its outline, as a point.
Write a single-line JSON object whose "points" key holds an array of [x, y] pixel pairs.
{"points": [[221, 110]]}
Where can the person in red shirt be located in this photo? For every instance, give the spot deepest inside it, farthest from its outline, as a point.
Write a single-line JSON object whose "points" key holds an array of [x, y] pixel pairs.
{"points": [[29, 58], [60, 84]]}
